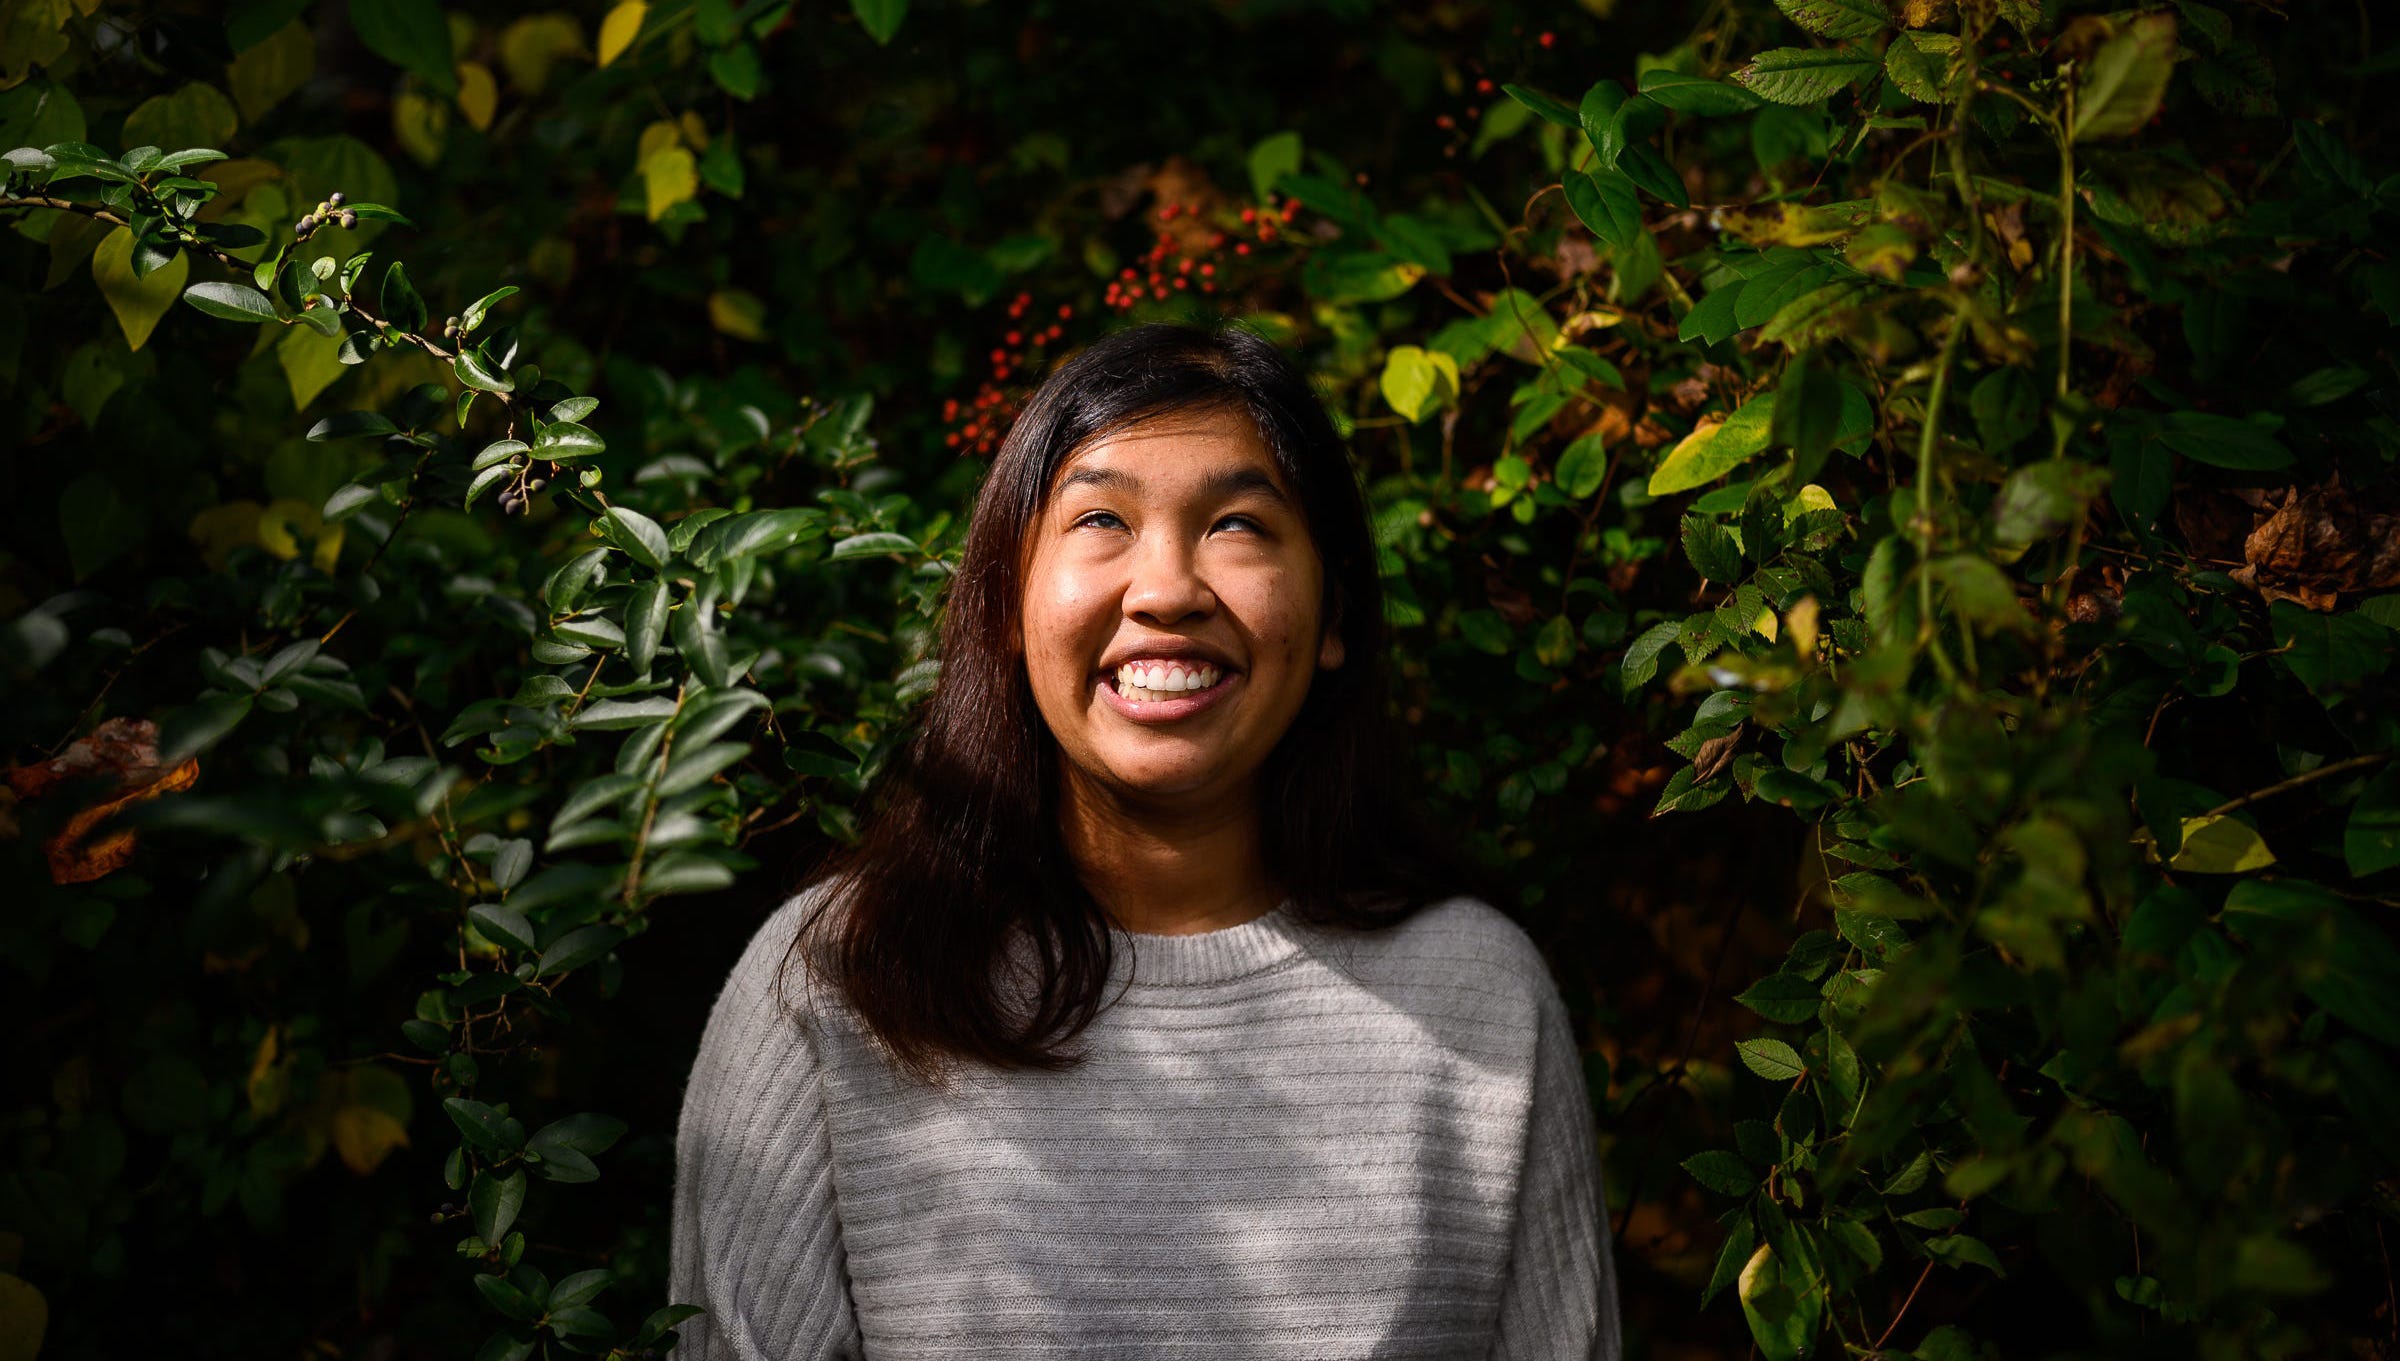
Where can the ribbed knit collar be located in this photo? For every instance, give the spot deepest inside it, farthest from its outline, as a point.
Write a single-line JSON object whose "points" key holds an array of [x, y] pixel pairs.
{"points": [[1207, 956]]}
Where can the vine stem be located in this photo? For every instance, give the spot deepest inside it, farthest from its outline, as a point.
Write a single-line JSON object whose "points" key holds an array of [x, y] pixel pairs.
{"points": [[641, 843], [1929, 438], [2308, 777], [2065, 129]]}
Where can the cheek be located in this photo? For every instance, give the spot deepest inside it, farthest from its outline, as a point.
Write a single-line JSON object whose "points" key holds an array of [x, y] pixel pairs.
{"points": [[1063, 609]]}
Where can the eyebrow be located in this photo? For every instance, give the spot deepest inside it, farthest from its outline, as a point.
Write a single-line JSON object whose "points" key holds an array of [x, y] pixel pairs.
{"points": [[1230, 482]]}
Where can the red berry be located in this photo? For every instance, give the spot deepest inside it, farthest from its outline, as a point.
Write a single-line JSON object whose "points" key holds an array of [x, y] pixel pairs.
{"points": [[1548, 40], [1064, 312], [1206, 270], [1241, 248]]}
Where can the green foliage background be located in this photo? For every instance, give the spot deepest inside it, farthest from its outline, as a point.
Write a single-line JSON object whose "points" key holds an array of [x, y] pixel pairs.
{"points": [[1935, 459]]}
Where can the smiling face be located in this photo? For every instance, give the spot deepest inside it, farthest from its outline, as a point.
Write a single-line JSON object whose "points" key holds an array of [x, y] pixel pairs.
{"points": [[1175, 542]]}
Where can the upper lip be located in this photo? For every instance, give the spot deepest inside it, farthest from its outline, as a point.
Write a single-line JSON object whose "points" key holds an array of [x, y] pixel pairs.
{"points": [[1167, 649]]}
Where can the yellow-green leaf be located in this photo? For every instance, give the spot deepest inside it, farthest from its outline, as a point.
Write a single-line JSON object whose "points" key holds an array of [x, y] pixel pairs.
{"points": [[738, 313], [619, 29], [669, 176], [2216, 844], [1417, 381], [310, 362], [1715, 448], [478, 94], [261, 77], [2127, 78], [138, 303], [24, 1318], [195, 116]]}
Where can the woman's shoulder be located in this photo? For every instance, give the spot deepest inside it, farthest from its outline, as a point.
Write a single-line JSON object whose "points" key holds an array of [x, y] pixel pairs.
{"points": [[1459, 941], [770, 967]]}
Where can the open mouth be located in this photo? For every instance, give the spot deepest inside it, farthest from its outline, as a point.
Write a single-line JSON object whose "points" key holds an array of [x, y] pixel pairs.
{"points": [[1135, 694], [1140, 705]]}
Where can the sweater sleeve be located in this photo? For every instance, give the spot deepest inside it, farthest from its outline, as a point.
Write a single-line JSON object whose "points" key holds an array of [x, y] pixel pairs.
{"points": [[756, 1237], [1560, 1298]]}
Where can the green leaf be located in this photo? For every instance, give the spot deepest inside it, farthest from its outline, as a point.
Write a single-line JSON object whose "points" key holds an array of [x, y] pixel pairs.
{"points": [[1783, 998], [2223, 441], [2044, 499], [1641, 656], [605, 714], [2126, 79], [1695, 94], [2371, 841], [637, 534], [1722, 1172], [587, 1133], [198, 726], [1715, 448], [231, 301], [477, 372], [2347, 965], [1806, 75], [401, 305], [873, 545], [495, 1201], [471, 320], [1548, 106], [1838, 19], [566, 441], [1711, 319], [413, 35], [1604, 200], [488, 479], [700, 645], [880, 18], [1730, 1259], [1919, 64], [1711, 549], [581, 946], [1276, 155], [496, 452], [645, 623], [503, 926], [352, 425], [2329, 653], [1771, 1059], [1582, 466]]}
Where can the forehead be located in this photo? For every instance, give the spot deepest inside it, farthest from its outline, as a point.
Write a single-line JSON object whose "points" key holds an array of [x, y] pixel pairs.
{"points": [[1177, 449]]}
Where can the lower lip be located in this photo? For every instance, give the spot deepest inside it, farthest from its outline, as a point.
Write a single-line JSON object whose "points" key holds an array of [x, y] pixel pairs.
{"points": [[1167, 710]]}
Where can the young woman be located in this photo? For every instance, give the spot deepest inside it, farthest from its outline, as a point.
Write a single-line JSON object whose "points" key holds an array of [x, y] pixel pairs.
{"points": [[1323, 1104]]}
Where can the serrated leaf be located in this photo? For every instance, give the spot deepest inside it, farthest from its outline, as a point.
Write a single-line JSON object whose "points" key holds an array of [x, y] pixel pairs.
{"points": [[1783, 998], [1838, 19], [1722, 1172], [1771, 1059], [1806, 75]]}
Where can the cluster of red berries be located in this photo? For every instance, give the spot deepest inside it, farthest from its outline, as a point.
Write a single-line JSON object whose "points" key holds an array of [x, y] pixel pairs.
{"points": [[1172, 266], [1191, 254], [976, 425]]}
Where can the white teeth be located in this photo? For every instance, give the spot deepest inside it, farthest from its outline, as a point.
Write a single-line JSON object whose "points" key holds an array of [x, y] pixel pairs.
{"points": [[1169, 679]]}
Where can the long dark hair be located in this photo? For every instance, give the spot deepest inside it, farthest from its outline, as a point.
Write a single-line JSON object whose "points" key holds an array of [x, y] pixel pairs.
{"points": [[961, 845]]}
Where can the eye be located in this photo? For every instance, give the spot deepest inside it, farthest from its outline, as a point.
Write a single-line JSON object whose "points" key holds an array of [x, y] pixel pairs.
{"points": [[1096, 515], [1244, 519]]}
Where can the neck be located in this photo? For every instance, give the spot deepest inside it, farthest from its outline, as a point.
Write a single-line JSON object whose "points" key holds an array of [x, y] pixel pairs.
{"points": [[1168, 870]]}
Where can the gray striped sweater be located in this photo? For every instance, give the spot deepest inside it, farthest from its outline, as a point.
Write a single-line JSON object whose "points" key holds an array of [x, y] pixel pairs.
{"points": [[1288, 1142]]}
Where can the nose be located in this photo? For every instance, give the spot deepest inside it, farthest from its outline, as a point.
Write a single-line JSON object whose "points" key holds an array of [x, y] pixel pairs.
{"points": [[1167, 586]]}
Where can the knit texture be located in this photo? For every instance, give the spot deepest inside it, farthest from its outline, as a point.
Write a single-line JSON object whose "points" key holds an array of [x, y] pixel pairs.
{"points": [[1288, 1141]]}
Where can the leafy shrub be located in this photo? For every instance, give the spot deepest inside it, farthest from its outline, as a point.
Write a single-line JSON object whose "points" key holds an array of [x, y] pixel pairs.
{"points": [[1962, 425]]}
